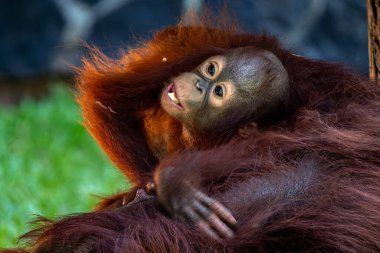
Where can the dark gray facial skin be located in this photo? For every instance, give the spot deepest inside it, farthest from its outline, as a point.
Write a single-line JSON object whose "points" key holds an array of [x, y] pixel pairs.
{"points": [[224, 89]]}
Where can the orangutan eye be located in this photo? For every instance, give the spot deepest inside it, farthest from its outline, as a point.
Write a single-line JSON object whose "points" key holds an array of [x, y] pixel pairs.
{"points": [[218, 90], [211, 69]]}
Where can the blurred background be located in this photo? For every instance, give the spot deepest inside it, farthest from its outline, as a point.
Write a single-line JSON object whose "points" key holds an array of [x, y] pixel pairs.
{"points": [[49, 165]]}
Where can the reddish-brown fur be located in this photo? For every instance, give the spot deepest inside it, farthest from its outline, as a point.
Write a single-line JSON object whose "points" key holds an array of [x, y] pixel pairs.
{"points": [[307, 180]]}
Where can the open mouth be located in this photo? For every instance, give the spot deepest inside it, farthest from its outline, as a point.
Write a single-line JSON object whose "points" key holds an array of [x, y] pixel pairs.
{"points": [[172, 95]]}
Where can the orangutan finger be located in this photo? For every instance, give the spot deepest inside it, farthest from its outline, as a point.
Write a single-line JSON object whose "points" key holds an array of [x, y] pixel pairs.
{"points": [[217, 207], [206, 229], [223, 212], [191, 215], [213, 220], [220, 226], [200, 223], [204, 211]]}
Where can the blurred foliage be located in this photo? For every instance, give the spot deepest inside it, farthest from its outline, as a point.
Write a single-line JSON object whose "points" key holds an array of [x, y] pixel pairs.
{"points": [[49, 164]]}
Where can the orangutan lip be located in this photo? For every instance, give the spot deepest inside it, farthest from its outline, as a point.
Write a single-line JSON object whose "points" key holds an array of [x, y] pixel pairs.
{"points": [[173, 96]]}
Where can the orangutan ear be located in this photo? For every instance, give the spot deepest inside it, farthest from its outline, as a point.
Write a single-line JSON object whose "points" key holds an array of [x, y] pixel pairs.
{"points": [[246, 130]]}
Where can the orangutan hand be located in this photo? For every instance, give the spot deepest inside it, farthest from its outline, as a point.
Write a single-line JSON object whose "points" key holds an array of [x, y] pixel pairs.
{"points": [[187, 203]]}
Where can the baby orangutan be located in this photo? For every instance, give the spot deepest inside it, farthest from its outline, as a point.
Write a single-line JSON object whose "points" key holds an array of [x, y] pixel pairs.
{"points": [[221, 93]]}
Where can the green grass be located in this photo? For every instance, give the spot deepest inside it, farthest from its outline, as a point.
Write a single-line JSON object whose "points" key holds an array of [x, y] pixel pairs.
{"points": [[49, 165]]}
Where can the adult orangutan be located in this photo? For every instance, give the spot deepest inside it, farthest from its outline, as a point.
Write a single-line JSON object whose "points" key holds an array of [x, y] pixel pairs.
{"points": [[258, 149]]}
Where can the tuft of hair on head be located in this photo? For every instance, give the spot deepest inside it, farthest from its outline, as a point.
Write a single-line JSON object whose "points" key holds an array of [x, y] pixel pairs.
{"points": [[222, 20]]}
